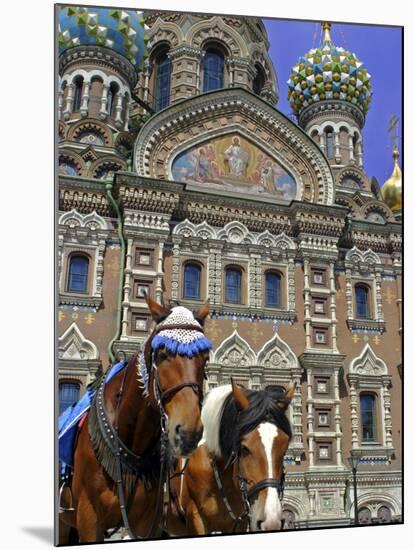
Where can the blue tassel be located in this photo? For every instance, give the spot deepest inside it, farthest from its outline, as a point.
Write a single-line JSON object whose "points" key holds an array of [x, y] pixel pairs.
{"points": [[188, 350]]}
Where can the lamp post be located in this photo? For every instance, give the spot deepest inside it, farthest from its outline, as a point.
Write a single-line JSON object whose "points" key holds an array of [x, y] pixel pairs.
{"points": [[354, 461]]}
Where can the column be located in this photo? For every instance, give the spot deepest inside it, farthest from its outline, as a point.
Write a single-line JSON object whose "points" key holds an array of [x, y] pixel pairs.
{"points": [[359, 152], [147, 73], [127, 110], [333, 305], [354, 411], [69, 102], [100, 265], [309, 419], [291, 305], [351, 147], [85, 99], [348, 291], [307, 304], [127, 289], [378, 297], [322, 143], [118, 110], [175, 278], [337, 146], [386, 382], [160, 273], [337, 417], [103, 112], [60, 103]]}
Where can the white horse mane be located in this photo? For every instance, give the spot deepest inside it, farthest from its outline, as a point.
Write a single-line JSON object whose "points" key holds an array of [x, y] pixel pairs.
{"points": [[211, 414]]}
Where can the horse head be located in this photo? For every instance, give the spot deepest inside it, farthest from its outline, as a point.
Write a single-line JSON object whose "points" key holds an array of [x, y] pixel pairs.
{"points": [[175, 357], [264, 434]]}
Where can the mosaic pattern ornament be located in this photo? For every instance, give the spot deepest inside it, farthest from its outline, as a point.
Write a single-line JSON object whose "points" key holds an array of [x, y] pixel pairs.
{"points": [[329, 72], [232, 163], [123, 31]]}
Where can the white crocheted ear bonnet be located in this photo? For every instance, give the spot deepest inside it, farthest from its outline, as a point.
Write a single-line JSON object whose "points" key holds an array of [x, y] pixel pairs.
{"points": [[185, 341]]}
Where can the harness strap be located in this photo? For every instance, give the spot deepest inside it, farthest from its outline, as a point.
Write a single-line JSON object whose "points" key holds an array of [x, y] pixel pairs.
{"points": [[265, 484]]}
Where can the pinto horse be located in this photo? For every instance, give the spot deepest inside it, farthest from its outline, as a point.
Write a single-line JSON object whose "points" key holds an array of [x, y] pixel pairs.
{"points": [[233, 482], [135, 409]]}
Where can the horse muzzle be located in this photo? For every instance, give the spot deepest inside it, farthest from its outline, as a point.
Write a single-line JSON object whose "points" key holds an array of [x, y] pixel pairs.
{"points": [[183, 443]]}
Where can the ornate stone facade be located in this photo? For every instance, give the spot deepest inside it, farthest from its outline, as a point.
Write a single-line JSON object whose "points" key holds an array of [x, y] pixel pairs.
{"points": [[222, 181]]}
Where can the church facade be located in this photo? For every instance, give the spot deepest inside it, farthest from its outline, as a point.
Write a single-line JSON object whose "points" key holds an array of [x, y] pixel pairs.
{"points": [[179, 177]]}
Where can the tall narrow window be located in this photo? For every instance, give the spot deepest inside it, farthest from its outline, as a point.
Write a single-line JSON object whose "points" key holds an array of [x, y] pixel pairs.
{"points": [[77, 97], [213, 74], [329, 144], [192, 276], [162, 81], [272, 282], [259, 80], [362, 302], [368, 421], [110, 105], [68, 395], [233, 286], [78, 274]]}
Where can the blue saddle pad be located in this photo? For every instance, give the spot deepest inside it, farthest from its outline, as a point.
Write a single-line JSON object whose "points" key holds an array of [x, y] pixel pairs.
{"points": [[69, 419]]}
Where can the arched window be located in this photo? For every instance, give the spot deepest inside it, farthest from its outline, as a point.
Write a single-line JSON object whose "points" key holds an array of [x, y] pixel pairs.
{"points": [[162, 81], [364, 516], [192, 278], [354, 144], [111, 103], [384, 515], [259, 80], [368, 417], [77, 96], [329, 143], [213, 73], [233, 285], [78, 274], [362, 302], [68, 395], [272, 284]]}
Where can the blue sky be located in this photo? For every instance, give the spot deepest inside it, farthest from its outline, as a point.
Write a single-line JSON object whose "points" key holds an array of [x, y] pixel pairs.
{"points": [[380, 48]]}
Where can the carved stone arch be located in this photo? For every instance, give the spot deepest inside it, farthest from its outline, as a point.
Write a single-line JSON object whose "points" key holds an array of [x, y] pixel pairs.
{"points": [[91, 125], [277, 354], [78, 72], [124, 143], [66, 155], [377, 206], [74, 346], [165, 135], [72, 219], [216, 29], [283, 242], [235, 232], [205, 231], [373, 500], [96, 73], [94, 221], [234, 352], [107, 163], [346, 201], [355, 173], [165, 32], [185, 228], [294, 504], [356, 256], [266, 239], [368, 364]]}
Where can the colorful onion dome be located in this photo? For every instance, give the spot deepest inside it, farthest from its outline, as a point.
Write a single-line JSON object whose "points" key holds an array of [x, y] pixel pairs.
{"points": [[392, 188], [120, 30], [328, 73]]}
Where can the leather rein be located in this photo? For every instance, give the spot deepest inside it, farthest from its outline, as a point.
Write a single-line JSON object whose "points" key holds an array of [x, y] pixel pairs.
{"points": [[118, 448]]}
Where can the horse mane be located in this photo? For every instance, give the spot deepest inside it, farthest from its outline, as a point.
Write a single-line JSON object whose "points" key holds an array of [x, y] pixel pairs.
{"points": [[224, 423]]}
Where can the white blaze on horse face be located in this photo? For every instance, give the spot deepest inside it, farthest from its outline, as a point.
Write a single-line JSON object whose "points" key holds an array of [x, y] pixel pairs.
{"points": [[272, 514]]}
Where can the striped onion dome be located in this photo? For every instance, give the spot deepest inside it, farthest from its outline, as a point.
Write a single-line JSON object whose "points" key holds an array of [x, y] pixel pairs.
{"points": [[327, 73]]}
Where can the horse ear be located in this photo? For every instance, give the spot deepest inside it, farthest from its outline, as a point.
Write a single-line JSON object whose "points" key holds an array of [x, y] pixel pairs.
{"points": [[157, 311], [202, 313], [241, 400], [287, 398]]}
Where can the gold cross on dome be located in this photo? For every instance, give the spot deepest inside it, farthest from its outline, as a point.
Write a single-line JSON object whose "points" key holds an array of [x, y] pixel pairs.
{"points": [[393, 129]]}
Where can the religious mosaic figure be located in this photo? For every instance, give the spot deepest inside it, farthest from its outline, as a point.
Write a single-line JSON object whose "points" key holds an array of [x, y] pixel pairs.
{"points": [[237, 158]]}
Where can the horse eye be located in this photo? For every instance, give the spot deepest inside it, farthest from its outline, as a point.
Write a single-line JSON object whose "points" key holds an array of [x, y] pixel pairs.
{"points": [[244, 450], [161, 356]]}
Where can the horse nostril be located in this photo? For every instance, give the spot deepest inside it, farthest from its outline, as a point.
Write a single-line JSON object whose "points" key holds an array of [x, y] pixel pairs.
{"points": [[177, 429]]}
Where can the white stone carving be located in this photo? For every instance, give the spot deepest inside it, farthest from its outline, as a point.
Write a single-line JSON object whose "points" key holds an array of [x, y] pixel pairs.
{"points": [[74, 346], [368, 364], [277, 354], [235, 352]]}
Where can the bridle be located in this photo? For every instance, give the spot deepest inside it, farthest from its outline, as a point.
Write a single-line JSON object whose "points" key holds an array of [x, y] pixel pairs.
{"points": [[247, 493]]}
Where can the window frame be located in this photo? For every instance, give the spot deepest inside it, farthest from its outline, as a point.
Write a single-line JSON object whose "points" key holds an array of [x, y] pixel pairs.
{"points": [[199, 267], [162, 82], [367, 289], [375, 426], [71, 256], [68, 383], [240, 271], [213, 49], [279, 275]]}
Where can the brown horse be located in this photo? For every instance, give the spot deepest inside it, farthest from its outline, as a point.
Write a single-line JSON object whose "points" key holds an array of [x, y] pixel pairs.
{"points": [[233, 482], [138, 406]]}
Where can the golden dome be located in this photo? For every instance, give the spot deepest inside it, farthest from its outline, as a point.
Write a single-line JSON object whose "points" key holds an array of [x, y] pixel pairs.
{"points": [[392, 188]]}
